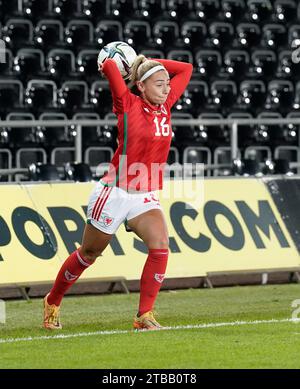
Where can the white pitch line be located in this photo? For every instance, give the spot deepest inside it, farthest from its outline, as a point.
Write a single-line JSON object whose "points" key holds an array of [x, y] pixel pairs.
{"points": [[117, 332]]}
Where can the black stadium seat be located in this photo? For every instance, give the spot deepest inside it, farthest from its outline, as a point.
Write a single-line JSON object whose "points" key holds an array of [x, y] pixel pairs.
{"points": [[232, 9], [244, 56], [43, 172], [73, 95], [49, 33], [237, 63], [273, 35], [60, 63], [290, 153], [252, 94], [53, 136], [138, 34], [87, 63], [37, 9], [11, 95], [246, 133], [287, 68], [78, 172], [153, 53], [285, 10], [193, 34], [165, 34], [224, 93], [291, 133], [91, 136], [264, 63], [66, 9], [149, 9], [248, 35], [215, 134], [108, 31], [194, 98], [259, 10], [221, 34], [280, 95], [25, 136], [120, 8], [178, 9], [282, 166], [29, 63], [207, 9], [93, 9], [208, 63], [181, 55], [100, 97], [266, 132], [183, 135], [261, 154], [250, 167], [11, 8], [17, 33], [40, 95], [108, 133], [79, 33]]}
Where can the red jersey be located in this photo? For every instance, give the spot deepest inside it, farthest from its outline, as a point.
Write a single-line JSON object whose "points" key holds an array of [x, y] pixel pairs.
{"points": [[144, 130]]}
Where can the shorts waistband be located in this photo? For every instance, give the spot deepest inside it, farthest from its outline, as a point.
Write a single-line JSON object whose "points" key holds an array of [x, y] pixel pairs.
{"points": [[128, 190]]}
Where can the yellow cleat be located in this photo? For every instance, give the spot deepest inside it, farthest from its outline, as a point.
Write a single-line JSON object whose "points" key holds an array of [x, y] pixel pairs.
{"points": [[51, 316], [146, 322]]}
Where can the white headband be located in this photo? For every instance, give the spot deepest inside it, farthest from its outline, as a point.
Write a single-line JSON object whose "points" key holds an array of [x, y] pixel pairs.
{"points": [[151, 71]]}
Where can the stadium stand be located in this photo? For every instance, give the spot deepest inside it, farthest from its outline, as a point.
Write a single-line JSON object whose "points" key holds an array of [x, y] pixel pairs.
{"points": [[243, 68]]}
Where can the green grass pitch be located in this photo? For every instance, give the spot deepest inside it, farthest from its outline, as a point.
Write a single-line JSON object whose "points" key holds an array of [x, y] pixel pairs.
{"points": [[97, 331]]}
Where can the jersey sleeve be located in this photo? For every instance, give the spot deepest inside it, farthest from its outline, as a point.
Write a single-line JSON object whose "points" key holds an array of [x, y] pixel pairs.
{"points": [[180, 73], [121, 95]]}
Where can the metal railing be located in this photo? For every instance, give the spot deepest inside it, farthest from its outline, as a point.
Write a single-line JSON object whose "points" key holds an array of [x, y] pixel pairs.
{"points": [[233, 124]]}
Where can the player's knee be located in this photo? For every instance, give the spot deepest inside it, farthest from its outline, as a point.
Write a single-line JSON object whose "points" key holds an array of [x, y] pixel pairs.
{"points": [[159, 243]]}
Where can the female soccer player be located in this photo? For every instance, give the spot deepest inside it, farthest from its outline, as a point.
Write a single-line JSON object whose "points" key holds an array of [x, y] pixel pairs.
{"points": [[127, 192]]}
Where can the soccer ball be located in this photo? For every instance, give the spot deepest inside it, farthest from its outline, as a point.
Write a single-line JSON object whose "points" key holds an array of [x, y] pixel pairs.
{"points": [[123, 54]]}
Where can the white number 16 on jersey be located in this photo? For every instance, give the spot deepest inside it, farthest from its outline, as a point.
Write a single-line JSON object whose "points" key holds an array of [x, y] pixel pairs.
{"points": [[162, 129]]}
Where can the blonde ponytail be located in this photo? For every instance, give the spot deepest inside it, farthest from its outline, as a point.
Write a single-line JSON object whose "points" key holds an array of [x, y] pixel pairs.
{"points": [[140, 66]]}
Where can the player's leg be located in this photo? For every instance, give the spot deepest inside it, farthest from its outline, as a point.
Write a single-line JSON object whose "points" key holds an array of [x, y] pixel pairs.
{"points": [[151, 227], [97, 234], [93, 244]]}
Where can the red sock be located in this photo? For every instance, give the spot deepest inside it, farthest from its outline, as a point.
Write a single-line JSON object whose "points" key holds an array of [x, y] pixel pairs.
{"points": [[152, 278], [68, 274]]}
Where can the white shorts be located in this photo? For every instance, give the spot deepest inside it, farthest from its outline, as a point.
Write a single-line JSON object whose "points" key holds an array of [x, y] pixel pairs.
{"points": [[110, 206]]}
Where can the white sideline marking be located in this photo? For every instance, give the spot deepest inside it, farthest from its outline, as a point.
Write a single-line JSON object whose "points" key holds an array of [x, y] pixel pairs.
{"points": [[117, 332]]}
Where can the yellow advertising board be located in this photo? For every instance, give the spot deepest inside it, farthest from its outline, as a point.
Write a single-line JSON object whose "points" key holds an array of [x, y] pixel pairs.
{"points": [[232, 225]]}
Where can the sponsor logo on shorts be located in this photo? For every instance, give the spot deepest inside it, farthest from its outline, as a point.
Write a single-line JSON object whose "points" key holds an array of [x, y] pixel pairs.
{"points": [[106, 220], [159, 277]]}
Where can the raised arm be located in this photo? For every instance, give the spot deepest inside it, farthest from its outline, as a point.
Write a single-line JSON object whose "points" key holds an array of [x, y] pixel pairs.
{"points": [[117, 85], [180, 73]]}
